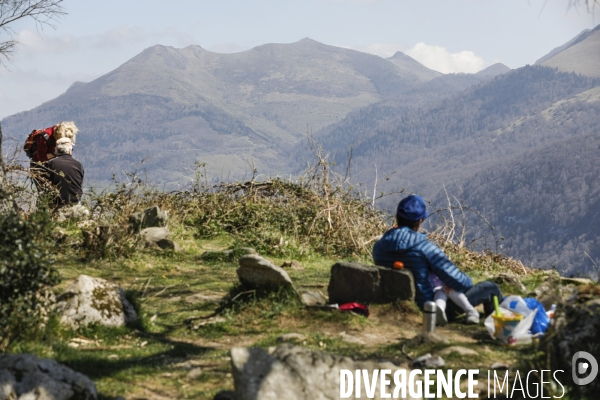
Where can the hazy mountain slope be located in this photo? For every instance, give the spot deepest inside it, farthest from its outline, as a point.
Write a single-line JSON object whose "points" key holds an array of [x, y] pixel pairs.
{"points": [[545, 203], [175, 106], [423, 149], [583, 35], [493, 70], [413, 68], [582, 57], [339, 136]]}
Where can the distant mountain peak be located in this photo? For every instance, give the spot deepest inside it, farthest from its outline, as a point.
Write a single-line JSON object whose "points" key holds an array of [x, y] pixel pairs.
{"points": [[411, 66], [580, 37], [494, 70]]}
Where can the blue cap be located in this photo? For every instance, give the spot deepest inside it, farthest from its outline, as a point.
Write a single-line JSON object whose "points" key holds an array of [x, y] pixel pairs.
{"points": [[412, 208]]}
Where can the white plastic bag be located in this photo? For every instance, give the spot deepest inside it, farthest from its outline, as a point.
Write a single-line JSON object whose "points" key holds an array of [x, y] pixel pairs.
{"points": [[514, 324]]}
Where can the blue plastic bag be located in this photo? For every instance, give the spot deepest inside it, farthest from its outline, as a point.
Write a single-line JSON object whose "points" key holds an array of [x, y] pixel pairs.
{"points": [[541, 320]]}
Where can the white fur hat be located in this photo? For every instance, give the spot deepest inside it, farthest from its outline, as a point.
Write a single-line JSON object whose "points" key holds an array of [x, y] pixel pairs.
{"points": [[66, 129], [64, 145]]}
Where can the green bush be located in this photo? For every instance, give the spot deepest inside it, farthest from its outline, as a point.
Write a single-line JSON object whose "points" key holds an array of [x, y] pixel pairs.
{"points": [[26, 273]]}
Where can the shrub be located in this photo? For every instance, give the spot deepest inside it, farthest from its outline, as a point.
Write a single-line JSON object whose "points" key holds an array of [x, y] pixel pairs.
{"points": [[26, 273]]}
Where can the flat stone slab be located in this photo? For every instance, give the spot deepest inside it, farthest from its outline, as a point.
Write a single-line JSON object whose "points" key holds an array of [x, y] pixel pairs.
{"points": [[355, 282], [26, 377], [258, 272], [295, 373]]}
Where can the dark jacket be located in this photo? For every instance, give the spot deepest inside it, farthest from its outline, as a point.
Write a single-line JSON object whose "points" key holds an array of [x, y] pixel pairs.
{"points": [[67, 174], [422, 257]]}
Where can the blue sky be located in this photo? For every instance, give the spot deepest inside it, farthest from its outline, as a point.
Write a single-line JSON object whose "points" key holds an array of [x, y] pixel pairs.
{"points": [[446, 35]]}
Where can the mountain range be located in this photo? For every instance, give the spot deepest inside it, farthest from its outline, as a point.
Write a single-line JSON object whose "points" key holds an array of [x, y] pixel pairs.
{"points": [[405, 126]]}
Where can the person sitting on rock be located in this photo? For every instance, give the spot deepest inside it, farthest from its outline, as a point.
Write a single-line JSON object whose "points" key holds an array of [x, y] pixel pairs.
{"points": [[66, 174], [405, 244]]}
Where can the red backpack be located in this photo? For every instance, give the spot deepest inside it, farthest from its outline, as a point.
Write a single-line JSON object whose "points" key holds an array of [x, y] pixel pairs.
{"points": [[39, 143]]}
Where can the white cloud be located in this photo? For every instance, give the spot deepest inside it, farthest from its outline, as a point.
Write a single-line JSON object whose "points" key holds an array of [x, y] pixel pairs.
{"points": [[440, 59], [385, 50]]}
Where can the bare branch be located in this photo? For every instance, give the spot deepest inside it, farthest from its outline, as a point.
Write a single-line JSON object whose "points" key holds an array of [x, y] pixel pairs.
{"points": [[43, 12]]}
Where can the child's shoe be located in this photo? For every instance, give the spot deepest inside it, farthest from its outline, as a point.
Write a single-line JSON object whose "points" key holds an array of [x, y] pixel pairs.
{"points": [[440, 317], [473, 317]]}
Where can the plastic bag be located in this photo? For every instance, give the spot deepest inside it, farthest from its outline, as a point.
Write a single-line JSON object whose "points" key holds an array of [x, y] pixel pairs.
{"points": [[513, 324], [510, 327], [542, 320]]}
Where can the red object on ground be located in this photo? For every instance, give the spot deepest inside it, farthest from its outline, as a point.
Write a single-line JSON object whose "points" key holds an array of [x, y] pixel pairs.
{"points": [[355, 308]]}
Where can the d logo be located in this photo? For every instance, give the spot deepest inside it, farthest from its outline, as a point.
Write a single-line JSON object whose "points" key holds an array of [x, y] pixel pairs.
{"points": [[579, 368]]}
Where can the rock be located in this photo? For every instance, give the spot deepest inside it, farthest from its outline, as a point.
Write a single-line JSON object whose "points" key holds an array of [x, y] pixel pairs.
{"points": [[99, 236], [59, 235], [428, 361], [26, 377], [76, 212], [312, 297], [511, 280], [257, 272], [226, 255], [463, 351], [291, 337], [351, 339], [152, 217], [224, 395], [354, 282], [194, 374], [294, 373], [499, 365], [94, 300], [295, 265], [574, 328], [396, 284], [159, 237], [552, 291], [427, 338]]}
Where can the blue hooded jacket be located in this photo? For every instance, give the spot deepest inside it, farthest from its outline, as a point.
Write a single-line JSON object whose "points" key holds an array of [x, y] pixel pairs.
{"points": [[422, 258]]}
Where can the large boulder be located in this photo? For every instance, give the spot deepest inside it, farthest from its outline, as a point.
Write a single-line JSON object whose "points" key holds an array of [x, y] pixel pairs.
{"points": [[295, 373], [149, 218], [26, 377], [94, 300], [159, 237], [574, 329], [352, 282], [258, 272]]}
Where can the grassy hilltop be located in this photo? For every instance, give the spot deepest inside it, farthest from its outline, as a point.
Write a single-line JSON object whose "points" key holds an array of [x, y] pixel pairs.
{"points": [[193, 311]]}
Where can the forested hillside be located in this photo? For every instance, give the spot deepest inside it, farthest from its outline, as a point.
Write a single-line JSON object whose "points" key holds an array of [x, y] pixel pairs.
{"points": [[545, 203], [446, 141]]}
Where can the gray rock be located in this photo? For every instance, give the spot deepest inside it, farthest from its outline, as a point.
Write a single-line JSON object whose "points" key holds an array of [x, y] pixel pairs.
{"points": [[26, 377], [159, 237], [76, 212], [226, 255], [257, 272], [574, 328], [463, 351], [312, 297], [225, 395], [291, 337], [499, 365], [149, 218], [94, 300], [294, 373], [194, 374], [511, 280], [552, 291], [352, 282], [428, 361]]}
